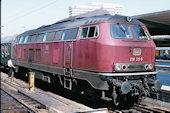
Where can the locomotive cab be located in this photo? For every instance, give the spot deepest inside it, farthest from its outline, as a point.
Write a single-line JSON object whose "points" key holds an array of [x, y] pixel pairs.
{"points": [[132, 70]]}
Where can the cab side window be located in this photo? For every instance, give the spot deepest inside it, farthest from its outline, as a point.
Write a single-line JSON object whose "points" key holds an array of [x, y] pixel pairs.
{"points": [[84, 32], [90, 32]]}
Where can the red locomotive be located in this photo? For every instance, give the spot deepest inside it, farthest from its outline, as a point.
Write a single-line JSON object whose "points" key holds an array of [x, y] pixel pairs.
{"points": [[109, 56]]}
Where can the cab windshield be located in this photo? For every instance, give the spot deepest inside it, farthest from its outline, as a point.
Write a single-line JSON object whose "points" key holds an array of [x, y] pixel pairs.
{"points": [[124, 32], [141, 33], [121, 31]]}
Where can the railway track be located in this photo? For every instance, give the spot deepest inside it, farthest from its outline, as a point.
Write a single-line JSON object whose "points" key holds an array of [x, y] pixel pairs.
{"points": [[14, 102], [9, 103], [144, 108], [138, 108]]}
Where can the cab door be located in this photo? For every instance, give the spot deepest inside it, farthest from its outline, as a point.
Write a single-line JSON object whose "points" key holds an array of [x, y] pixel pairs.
{"points": [[69, 36]]}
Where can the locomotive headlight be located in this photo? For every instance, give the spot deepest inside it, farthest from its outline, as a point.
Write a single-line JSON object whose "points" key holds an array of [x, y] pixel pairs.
{"points": [[118, 67], [124, 67], [146, 66], [150, 66]]}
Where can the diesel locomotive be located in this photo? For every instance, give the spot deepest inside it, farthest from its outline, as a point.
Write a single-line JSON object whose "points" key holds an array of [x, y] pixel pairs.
{"points": [[94, 54]]}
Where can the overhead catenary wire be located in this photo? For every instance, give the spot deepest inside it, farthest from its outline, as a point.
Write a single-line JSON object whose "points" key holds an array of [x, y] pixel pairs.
{"points": [[32, 11], [21, 12]]}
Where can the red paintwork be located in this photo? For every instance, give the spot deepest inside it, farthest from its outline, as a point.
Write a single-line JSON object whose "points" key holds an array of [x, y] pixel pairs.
{"points": [[68, 46], [19, 53], [91, 54], [56, 53], [101, 54]]}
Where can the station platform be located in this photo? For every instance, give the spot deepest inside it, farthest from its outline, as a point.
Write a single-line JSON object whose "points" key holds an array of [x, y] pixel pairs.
{"points": [[165, 88]]}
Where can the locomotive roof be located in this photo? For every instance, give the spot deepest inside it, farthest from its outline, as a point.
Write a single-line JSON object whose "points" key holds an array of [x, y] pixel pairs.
{"points": [[87, 18]]}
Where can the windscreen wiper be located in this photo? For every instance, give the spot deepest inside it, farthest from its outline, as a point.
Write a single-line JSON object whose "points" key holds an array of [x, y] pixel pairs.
{"points": [[123, 29]]}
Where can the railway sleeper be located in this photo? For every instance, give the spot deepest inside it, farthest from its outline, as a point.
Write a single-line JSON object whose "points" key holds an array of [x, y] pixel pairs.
{"points": [[149, 108]]}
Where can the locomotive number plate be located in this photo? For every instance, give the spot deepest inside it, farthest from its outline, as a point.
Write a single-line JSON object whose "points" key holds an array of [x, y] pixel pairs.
{"points": [[132, 59]]}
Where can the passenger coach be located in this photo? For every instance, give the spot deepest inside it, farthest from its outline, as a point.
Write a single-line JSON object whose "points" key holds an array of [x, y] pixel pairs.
{"points": [[6, 50], [101, 55]]}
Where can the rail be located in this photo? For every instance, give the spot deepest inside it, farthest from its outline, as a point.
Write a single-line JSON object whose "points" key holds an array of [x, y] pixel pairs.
{"points": [[22, 108], [149, 109], [139, 108]]}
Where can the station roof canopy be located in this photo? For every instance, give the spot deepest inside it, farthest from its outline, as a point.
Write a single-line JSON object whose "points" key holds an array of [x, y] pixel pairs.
{"points": [[158, 23]]}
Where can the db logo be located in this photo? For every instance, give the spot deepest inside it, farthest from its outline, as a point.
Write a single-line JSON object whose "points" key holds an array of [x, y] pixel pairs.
{"points": [[137, 51]]}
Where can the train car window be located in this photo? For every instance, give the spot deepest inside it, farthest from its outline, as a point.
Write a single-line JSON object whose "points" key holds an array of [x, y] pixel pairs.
{"points": [[38, 55], [9, 48], [6, 50], [33, 38], [31, 55], [84, 32], [15, 40], [141, 33], [45, 36], [21, 39], [121, 31], [58, 35], [26, 39], [70, 34], [3, 51], [40, 37], [90, 32], [50, 36], [29, 39]]}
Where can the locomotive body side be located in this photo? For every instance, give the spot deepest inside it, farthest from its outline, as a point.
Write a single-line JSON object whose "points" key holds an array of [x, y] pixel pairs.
{"points": [[109, 54]]}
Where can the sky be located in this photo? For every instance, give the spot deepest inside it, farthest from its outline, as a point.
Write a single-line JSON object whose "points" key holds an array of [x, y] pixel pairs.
{"points": [[18, 16]]}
